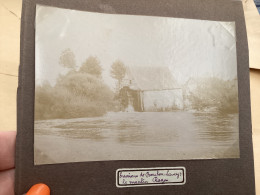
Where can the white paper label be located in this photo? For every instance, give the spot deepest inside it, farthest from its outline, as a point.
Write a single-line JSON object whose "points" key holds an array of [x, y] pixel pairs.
{"points": [[135, 177]]}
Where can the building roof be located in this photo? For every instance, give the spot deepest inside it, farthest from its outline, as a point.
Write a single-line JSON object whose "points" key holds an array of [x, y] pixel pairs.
{"points": [[149, 78]]}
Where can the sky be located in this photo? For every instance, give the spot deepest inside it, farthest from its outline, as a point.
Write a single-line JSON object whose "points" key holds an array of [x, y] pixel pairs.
{"points": [[189, 48]]}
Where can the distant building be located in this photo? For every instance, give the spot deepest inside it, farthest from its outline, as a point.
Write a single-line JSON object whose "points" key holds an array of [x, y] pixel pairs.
{"points": [[147, 89]]}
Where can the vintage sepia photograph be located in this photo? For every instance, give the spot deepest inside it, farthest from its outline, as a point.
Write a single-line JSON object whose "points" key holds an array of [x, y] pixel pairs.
{"points": [[131, 87]]}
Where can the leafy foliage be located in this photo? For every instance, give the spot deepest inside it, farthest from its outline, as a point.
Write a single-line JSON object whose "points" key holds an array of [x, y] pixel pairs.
{"points": [[67, 59], [213, 93], [77, 94], [118, 70], [92, 66]]}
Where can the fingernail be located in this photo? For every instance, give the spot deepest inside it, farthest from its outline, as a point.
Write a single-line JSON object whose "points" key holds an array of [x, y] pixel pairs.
{"points": [[39, 189]]}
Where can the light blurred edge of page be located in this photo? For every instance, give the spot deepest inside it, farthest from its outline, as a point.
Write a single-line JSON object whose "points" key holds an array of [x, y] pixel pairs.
{"points": [[255, 97], [252, 18], [10, 33]]}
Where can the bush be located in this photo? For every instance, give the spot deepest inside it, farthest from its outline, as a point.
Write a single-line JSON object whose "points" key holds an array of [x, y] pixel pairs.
{"points": [[213, 93], [75, 95]]}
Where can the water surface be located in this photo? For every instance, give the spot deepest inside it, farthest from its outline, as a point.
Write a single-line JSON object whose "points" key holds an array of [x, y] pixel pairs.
{"points": [[138, 136]]}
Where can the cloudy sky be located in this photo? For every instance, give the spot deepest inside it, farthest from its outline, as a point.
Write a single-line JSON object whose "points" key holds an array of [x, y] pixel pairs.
{"points": [[190, 48]]}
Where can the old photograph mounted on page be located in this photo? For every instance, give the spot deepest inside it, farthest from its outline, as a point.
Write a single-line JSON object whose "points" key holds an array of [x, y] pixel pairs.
{"points": [[128, 87]]}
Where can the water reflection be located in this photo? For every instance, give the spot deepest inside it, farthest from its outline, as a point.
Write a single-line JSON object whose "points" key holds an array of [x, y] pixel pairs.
{"points": [[171, 129], [217, 126]]}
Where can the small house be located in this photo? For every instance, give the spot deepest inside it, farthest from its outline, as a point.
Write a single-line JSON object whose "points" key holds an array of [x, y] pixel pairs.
{"points": [[150, 89]]}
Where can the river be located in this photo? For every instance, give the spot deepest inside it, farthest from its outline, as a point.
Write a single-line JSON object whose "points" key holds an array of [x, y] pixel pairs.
{"points": [[137, 136]]}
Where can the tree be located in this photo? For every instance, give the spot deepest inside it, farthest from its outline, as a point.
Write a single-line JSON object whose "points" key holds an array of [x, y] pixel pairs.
{"points": [[91, 66], [67, 59], [118, 71], [75, 95], [213, 93]]}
